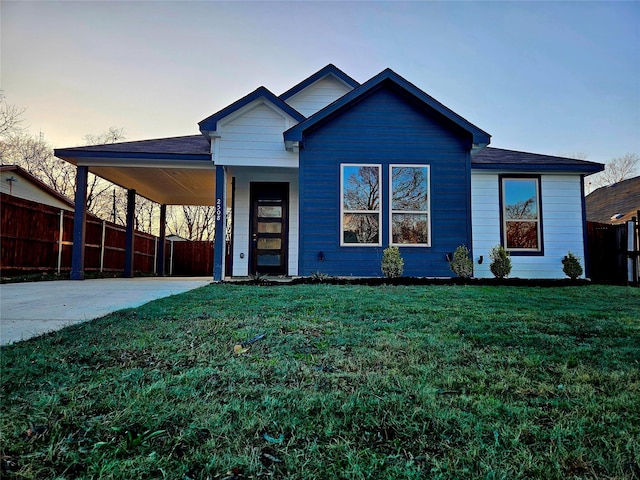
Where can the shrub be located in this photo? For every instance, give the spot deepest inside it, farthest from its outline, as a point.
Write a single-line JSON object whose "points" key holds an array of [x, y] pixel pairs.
{"points": [[500, 262], [571, 266], [392, 262], [320, 277], [461, 264]]}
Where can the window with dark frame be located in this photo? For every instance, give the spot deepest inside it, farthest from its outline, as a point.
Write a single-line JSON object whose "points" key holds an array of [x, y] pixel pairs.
{"points": [[521, 214]]}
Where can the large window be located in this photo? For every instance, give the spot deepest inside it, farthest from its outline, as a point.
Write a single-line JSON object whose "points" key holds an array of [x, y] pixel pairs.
{"points": [[409, 205], [521, 222], [361, 204]]}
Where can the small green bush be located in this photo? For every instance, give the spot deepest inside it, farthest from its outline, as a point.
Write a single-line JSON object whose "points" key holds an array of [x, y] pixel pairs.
{"points": [[392, 262], [571, 266], [500, 262], [320, 277], [461, 263]]}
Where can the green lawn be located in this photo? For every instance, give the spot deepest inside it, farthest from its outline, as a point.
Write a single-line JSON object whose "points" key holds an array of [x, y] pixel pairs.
{"points": [[350, 382]]}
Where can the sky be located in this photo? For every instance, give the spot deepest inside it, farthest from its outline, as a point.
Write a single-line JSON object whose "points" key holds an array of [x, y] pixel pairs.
{"points": [[558, 78]]}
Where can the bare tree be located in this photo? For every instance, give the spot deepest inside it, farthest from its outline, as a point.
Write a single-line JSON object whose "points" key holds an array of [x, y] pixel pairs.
{"points": [[621, 168], [35, 155], [100, 191], [111, 135], [193, 222], [10, 118]]}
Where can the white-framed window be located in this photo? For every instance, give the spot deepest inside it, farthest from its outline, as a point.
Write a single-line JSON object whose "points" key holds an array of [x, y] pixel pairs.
{"points": [[361, 205], [521, 214], [409, 210]]}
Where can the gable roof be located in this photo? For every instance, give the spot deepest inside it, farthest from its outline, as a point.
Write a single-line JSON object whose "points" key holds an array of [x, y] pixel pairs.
{"points": [[387, 76], [192, 147], [606, 203], [38, 183], [328, 70], [210, 124], [500, 159]]}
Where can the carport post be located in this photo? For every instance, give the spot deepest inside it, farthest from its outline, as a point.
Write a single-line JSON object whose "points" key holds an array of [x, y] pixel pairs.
{"points": [[161, 240], [130, 234], [221, 224], [79, 224]]}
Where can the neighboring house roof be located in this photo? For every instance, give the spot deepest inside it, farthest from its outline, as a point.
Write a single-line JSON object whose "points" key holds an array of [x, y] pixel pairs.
{"points": [[500, 159], [192, 147], [48, 195], [328, 70], [480, 138], [210, 124], [615, 203], [176, 238]]}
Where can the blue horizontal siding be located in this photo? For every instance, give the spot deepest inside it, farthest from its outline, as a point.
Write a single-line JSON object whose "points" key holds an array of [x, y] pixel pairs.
{"points": [[383, 128]]}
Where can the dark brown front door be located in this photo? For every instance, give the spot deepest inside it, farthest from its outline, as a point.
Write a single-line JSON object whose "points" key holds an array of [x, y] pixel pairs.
{"points": [[269, 228]]}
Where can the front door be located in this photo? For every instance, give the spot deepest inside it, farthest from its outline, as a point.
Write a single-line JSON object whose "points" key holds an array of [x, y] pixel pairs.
{"points": [[269, 228]]}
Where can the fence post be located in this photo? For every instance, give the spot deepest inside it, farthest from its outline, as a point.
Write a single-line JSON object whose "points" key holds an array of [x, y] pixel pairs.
{"points": [[155, 255], [632, 251], [102, 244], [171, 260], [61, 233]]}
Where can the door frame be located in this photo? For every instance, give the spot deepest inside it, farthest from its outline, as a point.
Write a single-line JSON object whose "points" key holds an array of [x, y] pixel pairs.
{"points": [[265, 190]]}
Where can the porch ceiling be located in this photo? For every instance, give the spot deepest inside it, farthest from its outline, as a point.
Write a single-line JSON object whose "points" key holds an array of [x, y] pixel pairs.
{"points": [[165, 185], [170, 171]]}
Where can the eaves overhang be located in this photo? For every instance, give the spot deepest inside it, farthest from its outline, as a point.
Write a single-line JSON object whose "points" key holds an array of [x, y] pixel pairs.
{"points": [[533, 168], [499, 159], [132, 159], [170, 171], [479, 138]]}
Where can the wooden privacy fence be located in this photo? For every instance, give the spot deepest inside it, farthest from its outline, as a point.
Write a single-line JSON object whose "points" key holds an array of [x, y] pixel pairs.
{"points": [[190, 258], [613, 251], [36, 237]]}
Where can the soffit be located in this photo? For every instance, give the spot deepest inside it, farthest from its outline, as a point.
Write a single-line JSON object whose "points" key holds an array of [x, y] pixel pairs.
{"points": [[168, 186]]}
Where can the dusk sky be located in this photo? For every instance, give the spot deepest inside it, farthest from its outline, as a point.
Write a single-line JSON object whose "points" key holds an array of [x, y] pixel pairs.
{"points": [[547, 77]]}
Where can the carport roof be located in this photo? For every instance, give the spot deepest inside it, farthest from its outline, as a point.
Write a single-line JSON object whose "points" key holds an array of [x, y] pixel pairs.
{"points": [[195, 147], [171, 171]]}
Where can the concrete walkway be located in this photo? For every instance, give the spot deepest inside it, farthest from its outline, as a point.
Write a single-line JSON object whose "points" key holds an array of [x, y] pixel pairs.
{"points": [[31, 309]]}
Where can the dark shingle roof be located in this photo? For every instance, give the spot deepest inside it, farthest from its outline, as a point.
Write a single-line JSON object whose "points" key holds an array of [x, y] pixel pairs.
{"points": [[188, 145], [500, 159], [389, 78], [621, 198]]}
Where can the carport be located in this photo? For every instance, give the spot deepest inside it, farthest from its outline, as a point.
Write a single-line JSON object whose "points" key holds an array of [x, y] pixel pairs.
{"points": [[168, 171]]}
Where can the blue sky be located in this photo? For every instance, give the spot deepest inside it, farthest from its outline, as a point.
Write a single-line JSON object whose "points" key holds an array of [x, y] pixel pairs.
{"points": [[546, 77]]}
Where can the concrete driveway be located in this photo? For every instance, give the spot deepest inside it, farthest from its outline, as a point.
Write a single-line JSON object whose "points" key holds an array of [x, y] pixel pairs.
{"points": [[31, 309]]}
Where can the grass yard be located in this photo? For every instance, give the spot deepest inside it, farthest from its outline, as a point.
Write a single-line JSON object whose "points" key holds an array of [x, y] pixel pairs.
{"points": [[386, 382]]}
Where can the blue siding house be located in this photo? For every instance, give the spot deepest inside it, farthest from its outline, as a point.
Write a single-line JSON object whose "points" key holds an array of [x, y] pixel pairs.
{"points": [[326, 175]]}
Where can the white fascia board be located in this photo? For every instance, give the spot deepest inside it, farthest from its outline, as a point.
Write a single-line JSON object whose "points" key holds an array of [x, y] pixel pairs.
{"points": [[253, 162], [145, 163]]}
